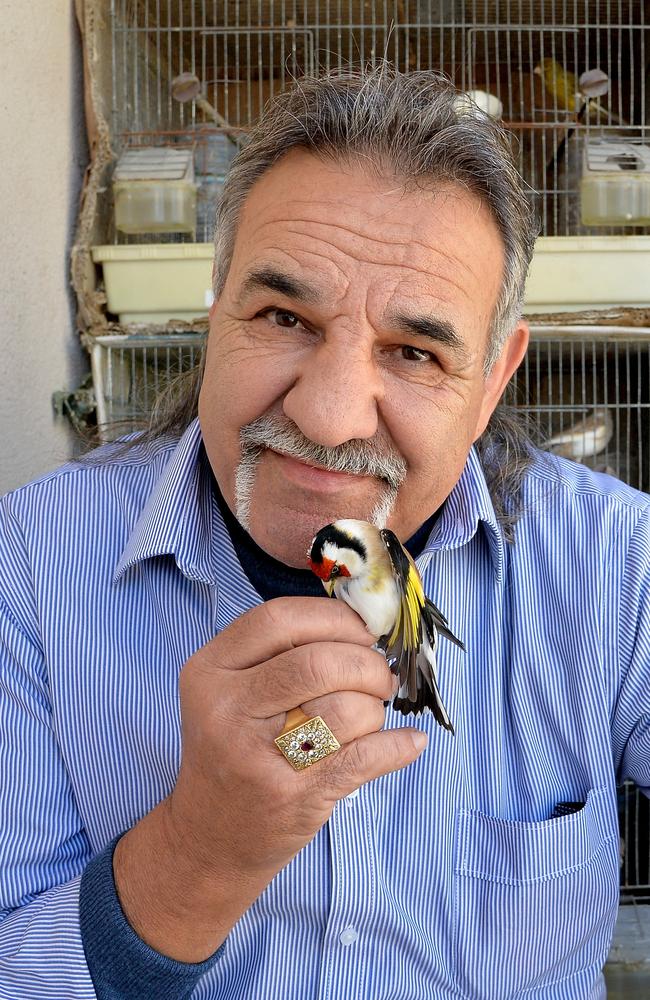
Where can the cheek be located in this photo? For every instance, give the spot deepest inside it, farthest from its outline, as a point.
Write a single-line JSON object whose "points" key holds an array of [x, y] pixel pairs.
{"points": [[241, 382], [430, 427], [434, 436]]}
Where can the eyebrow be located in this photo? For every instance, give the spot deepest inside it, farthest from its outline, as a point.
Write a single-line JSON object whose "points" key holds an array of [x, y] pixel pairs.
{"points": [[276, 281]]}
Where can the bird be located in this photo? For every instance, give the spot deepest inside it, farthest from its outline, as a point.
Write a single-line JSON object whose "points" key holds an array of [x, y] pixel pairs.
{"points": [[585, 438], [575, 94], [561, 85], [369, 569]]}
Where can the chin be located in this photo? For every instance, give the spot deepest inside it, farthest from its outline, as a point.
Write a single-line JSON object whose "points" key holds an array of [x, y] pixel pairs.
{"points": [[287, 546], [287, 535], [283, 518]]}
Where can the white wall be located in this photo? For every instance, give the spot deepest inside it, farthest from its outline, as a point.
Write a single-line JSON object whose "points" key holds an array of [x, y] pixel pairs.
{"points": [[43, 155]]}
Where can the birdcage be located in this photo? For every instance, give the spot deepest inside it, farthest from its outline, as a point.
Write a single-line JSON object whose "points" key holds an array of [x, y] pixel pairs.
{"points": [[130, 372], [568, 78], [587, 393], [560, 73]]}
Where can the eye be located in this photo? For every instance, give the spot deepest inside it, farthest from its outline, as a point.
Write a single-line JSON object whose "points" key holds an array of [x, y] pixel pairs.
{"points": [[282, 317], [335, 570], [415, 354]]}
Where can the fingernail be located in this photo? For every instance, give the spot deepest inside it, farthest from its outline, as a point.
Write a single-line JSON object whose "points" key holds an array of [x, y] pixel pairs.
{"points": [[420, 740]]}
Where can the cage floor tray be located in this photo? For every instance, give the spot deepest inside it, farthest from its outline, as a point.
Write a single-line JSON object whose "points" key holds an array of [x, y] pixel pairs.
{"points": [[157, 282], [577, 273]]}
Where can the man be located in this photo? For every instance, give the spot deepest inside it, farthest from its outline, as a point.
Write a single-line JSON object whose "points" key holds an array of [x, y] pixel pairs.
{"points": [[372, 249]]}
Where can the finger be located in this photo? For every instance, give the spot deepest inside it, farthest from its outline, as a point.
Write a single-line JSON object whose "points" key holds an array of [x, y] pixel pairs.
{"points": [[283, 624], [349, 714], [302, 675], [368, 758]]}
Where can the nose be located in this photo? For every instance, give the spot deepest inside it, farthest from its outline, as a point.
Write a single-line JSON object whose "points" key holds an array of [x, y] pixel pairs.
{"points": [[336, 395]]}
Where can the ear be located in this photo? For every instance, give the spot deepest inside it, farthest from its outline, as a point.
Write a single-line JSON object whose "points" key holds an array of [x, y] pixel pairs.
{"points": [[502, 371]]}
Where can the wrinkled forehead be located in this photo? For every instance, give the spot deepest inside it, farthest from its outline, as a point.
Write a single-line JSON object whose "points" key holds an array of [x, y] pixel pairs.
{"points": [[361, 191], [345, 224]]}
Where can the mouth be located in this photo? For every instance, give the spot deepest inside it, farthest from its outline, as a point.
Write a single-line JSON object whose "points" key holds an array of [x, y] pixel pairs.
{"points": [[314, 477]]}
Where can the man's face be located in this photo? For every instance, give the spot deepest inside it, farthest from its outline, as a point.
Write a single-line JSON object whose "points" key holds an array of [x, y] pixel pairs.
{"points": [[353, 311]]}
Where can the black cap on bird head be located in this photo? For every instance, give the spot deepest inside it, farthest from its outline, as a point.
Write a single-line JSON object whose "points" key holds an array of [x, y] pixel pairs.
{"points": [[320, 564]]}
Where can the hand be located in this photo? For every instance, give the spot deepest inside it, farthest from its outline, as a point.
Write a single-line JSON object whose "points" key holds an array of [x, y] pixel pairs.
{"points": [[235, 693], [239, 813]]}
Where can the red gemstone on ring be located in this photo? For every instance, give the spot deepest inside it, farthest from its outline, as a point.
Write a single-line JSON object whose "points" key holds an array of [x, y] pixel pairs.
{"points": [[306, 746]]}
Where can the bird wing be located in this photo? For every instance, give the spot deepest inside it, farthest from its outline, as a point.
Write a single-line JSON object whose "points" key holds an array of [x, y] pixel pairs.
{"points": [[411, 648], [410, 589], [413, 601], [406, 638]]}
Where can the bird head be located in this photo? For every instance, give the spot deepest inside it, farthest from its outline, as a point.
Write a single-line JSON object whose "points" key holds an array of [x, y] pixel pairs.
{"points": [[337, 551]]}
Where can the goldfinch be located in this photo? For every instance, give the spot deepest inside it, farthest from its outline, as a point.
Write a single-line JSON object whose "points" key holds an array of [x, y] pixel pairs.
{"points": [[370, 570]]}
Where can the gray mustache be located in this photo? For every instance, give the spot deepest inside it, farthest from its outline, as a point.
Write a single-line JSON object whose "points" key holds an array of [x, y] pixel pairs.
{"points": [[357, 457]]}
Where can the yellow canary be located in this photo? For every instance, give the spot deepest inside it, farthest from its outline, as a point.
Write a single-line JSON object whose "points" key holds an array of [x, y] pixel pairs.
{"points": [[577, 95], [562, 85]]}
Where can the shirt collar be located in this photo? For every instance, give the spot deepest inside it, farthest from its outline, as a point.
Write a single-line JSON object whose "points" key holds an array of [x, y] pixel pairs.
{"points": [[177, 518], [469, 505]]}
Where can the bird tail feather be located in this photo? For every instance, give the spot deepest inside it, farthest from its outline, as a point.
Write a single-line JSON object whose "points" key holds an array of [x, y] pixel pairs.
{"points": [[434, 620], [419, 691]]}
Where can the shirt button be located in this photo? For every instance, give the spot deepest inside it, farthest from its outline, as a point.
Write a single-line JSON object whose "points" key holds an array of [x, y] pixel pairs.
{"points": [[348, 936]]}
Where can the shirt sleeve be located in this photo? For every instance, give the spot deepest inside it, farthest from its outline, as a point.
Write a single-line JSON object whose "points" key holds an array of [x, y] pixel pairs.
{"points": [[62, 929], [42, 844], [631, 719]]}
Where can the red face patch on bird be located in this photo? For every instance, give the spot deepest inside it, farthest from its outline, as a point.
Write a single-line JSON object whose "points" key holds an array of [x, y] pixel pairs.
{"points": [[327, 569]]}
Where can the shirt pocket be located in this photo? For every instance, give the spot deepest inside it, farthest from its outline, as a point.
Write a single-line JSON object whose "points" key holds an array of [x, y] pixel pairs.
{"points": [[535, 903]]}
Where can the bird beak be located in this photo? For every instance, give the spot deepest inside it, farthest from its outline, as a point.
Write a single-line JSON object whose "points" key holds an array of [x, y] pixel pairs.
{"points": [[329, 587]]}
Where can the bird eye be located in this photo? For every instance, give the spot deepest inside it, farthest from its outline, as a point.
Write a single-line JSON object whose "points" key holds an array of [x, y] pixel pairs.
{"points": [[335, 570]]}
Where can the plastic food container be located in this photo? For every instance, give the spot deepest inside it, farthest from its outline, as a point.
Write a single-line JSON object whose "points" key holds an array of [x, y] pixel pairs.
{"points": [[615, 184], [577, 273], [157, 282], [154, 191]]}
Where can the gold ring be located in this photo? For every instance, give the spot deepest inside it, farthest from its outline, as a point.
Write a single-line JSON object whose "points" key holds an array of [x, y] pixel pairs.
{"points": [[303, 741]]}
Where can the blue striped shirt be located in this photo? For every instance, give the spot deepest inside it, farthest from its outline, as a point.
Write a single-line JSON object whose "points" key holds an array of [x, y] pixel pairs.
{"points": [[449, 879]]}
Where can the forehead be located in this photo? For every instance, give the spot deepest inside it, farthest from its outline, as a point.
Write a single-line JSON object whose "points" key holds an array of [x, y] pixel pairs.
{"points": [[350, 227]]}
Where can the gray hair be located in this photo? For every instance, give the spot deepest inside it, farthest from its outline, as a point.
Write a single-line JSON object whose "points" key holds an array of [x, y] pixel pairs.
{"points": [[415, 127]]}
